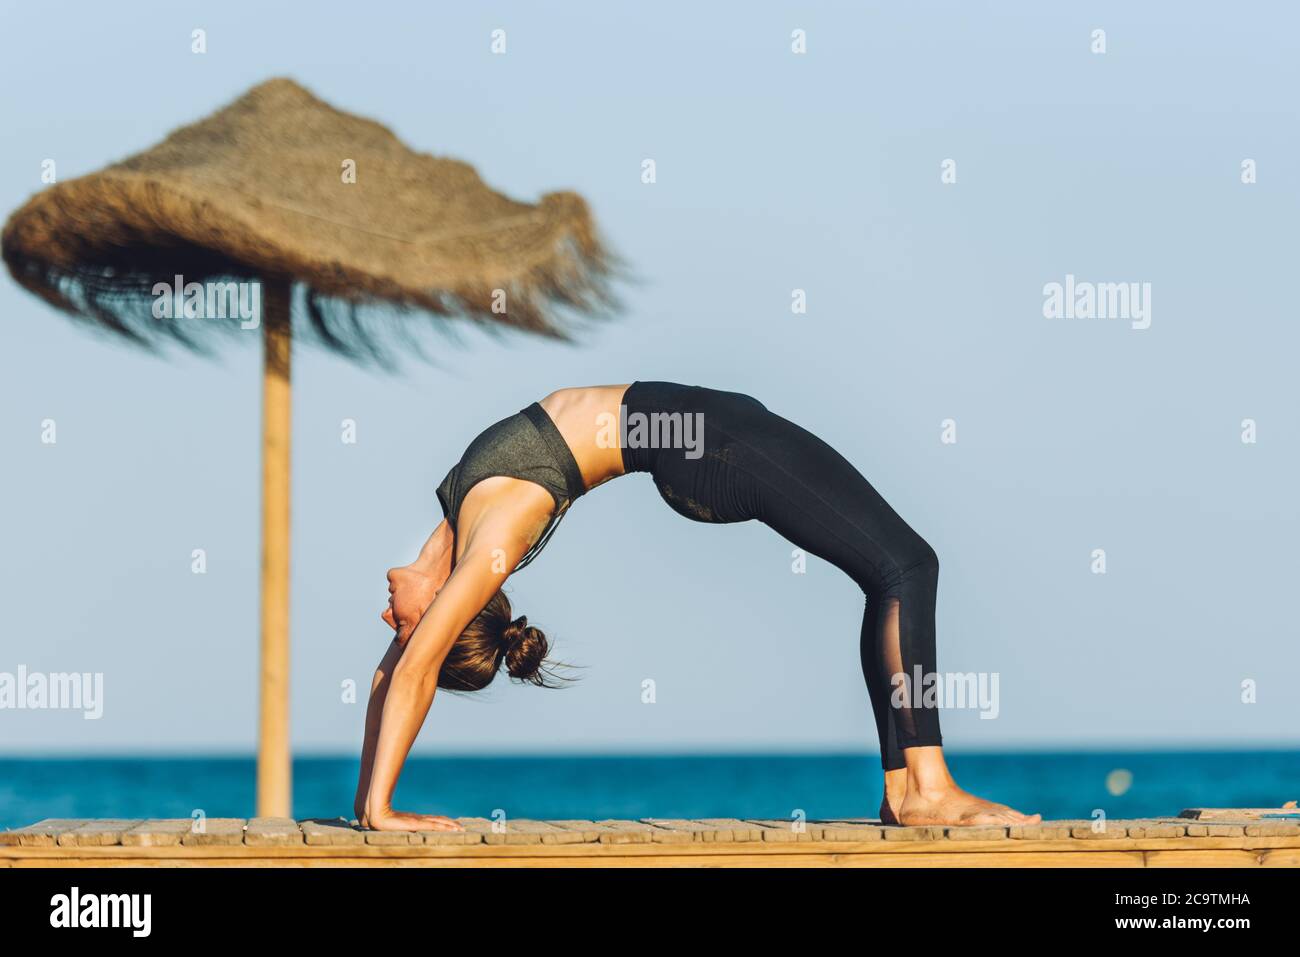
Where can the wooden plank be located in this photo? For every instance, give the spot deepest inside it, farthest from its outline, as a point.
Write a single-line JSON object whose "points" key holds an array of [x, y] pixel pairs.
{"points": [[1241, 813], [564, 835], [625, 832], [479, 825], [158, 832], [525, 831], [272, 832], [41, 834], [778, 831], [680, 831], [926, 832], [452, 838], [1250, 827], [331, 832], [1156, 827], [730, 829], [1211, 829], [588, 831], [1273, 829], [1278, 857], [1198, 857], [549, 832], [860, 830], [215, 831], [1268, 851], [776, 851], [96, 833], [1042, 831], [667, 830], [1099, 830], [978, 833], [786, 832], [751, 855], [653, 842]]}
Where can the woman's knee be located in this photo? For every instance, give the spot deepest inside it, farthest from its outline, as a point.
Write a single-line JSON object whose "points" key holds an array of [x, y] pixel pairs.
{"points": [[917, 561], [925, 558]]}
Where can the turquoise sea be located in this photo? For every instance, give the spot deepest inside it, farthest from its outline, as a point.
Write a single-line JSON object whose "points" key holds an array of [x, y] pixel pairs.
{"points": [[1058, 785]]}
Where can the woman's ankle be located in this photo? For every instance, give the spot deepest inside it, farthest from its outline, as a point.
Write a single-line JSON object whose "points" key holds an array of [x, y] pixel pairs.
{"points": [[927, 772]]}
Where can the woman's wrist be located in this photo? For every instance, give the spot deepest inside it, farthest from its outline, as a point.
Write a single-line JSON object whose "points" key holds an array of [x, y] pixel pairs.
{"points": [[376, 809]]}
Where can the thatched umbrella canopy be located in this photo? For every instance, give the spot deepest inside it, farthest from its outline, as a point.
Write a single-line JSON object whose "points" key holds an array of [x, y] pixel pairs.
{"points": [[280, 190], [258, 190]]}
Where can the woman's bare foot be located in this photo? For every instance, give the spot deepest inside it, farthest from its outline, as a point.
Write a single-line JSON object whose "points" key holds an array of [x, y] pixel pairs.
{"points": [[955, 807], [895, 793], [931, 796], [405, 821]]}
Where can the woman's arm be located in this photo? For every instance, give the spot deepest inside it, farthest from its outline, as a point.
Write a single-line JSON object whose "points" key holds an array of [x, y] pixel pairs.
{"points": [[436, 555], [414, 676], [374, 711]]}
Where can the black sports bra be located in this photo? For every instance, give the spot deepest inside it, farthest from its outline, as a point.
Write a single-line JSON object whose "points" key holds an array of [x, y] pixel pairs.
{"points": [[527, 446]]}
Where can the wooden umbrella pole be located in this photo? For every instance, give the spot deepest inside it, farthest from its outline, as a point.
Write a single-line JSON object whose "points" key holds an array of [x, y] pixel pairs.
{"points": [[274, 757]]}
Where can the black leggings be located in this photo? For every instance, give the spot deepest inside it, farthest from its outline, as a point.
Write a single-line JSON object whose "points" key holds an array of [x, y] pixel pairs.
{"points": [[723, 457]]}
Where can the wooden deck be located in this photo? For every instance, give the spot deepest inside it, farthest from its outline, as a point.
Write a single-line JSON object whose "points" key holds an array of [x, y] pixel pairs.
{"points": [[1198, 838]]}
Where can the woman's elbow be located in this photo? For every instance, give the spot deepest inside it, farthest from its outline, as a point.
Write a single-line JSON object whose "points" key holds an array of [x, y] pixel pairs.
{"points": [[414, 676]]}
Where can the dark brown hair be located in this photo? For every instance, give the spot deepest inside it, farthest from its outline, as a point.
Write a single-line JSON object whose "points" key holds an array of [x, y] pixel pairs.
{"points": [[492, 638]]}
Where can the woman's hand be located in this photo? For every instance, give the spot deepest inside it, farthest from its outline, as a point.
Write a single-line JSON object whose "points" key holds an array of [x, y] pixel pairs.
{"points": [[404, 821], [412, 588]]}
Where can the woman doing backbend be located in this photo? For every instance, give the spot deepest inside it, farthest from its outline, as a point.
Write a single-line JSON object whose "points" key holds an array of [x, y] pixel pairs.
{"points": [[714, 457]]}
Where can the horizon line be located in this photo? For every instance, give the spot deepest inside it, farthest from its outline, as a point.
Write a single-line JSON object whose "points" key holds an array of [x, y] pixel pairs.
{"points": [[1091, 748]]}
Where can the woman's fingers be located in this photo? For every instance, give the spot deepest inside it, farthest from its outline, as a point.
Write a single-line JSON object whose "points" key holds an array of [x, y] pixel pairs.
{"points": [[444, 824]]}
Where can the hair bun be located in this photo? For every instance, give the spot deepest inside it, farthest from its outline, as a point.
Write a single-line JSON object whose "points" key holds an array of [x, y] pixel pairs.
{"points": [[525, 649]]}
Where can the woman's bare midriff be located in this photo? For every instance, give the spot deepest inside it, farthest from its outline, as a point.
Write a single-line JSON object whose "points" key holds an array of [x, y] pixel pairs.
{"points": [[588, 420]]}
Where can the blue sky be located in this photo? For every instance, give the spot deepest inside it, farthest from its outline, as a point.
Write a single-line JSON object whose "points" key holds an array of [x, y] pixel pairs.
{"points": [[775, 172]]}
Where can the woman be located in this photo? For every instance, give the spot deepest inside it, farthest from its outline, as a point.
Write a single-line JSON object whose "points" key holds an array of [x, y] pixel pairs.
{"points": [[715, 457]]}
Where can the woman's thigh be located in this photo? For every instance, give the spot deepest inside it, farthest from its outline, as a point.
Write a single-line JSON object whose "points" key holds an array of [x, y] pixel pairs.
{"points": [[805, 490]]}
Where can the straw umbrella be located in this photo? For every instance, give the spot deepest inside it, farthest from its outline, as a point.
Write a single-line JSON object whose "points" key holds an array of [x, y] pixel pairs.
{"points": [[281, 207]]}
